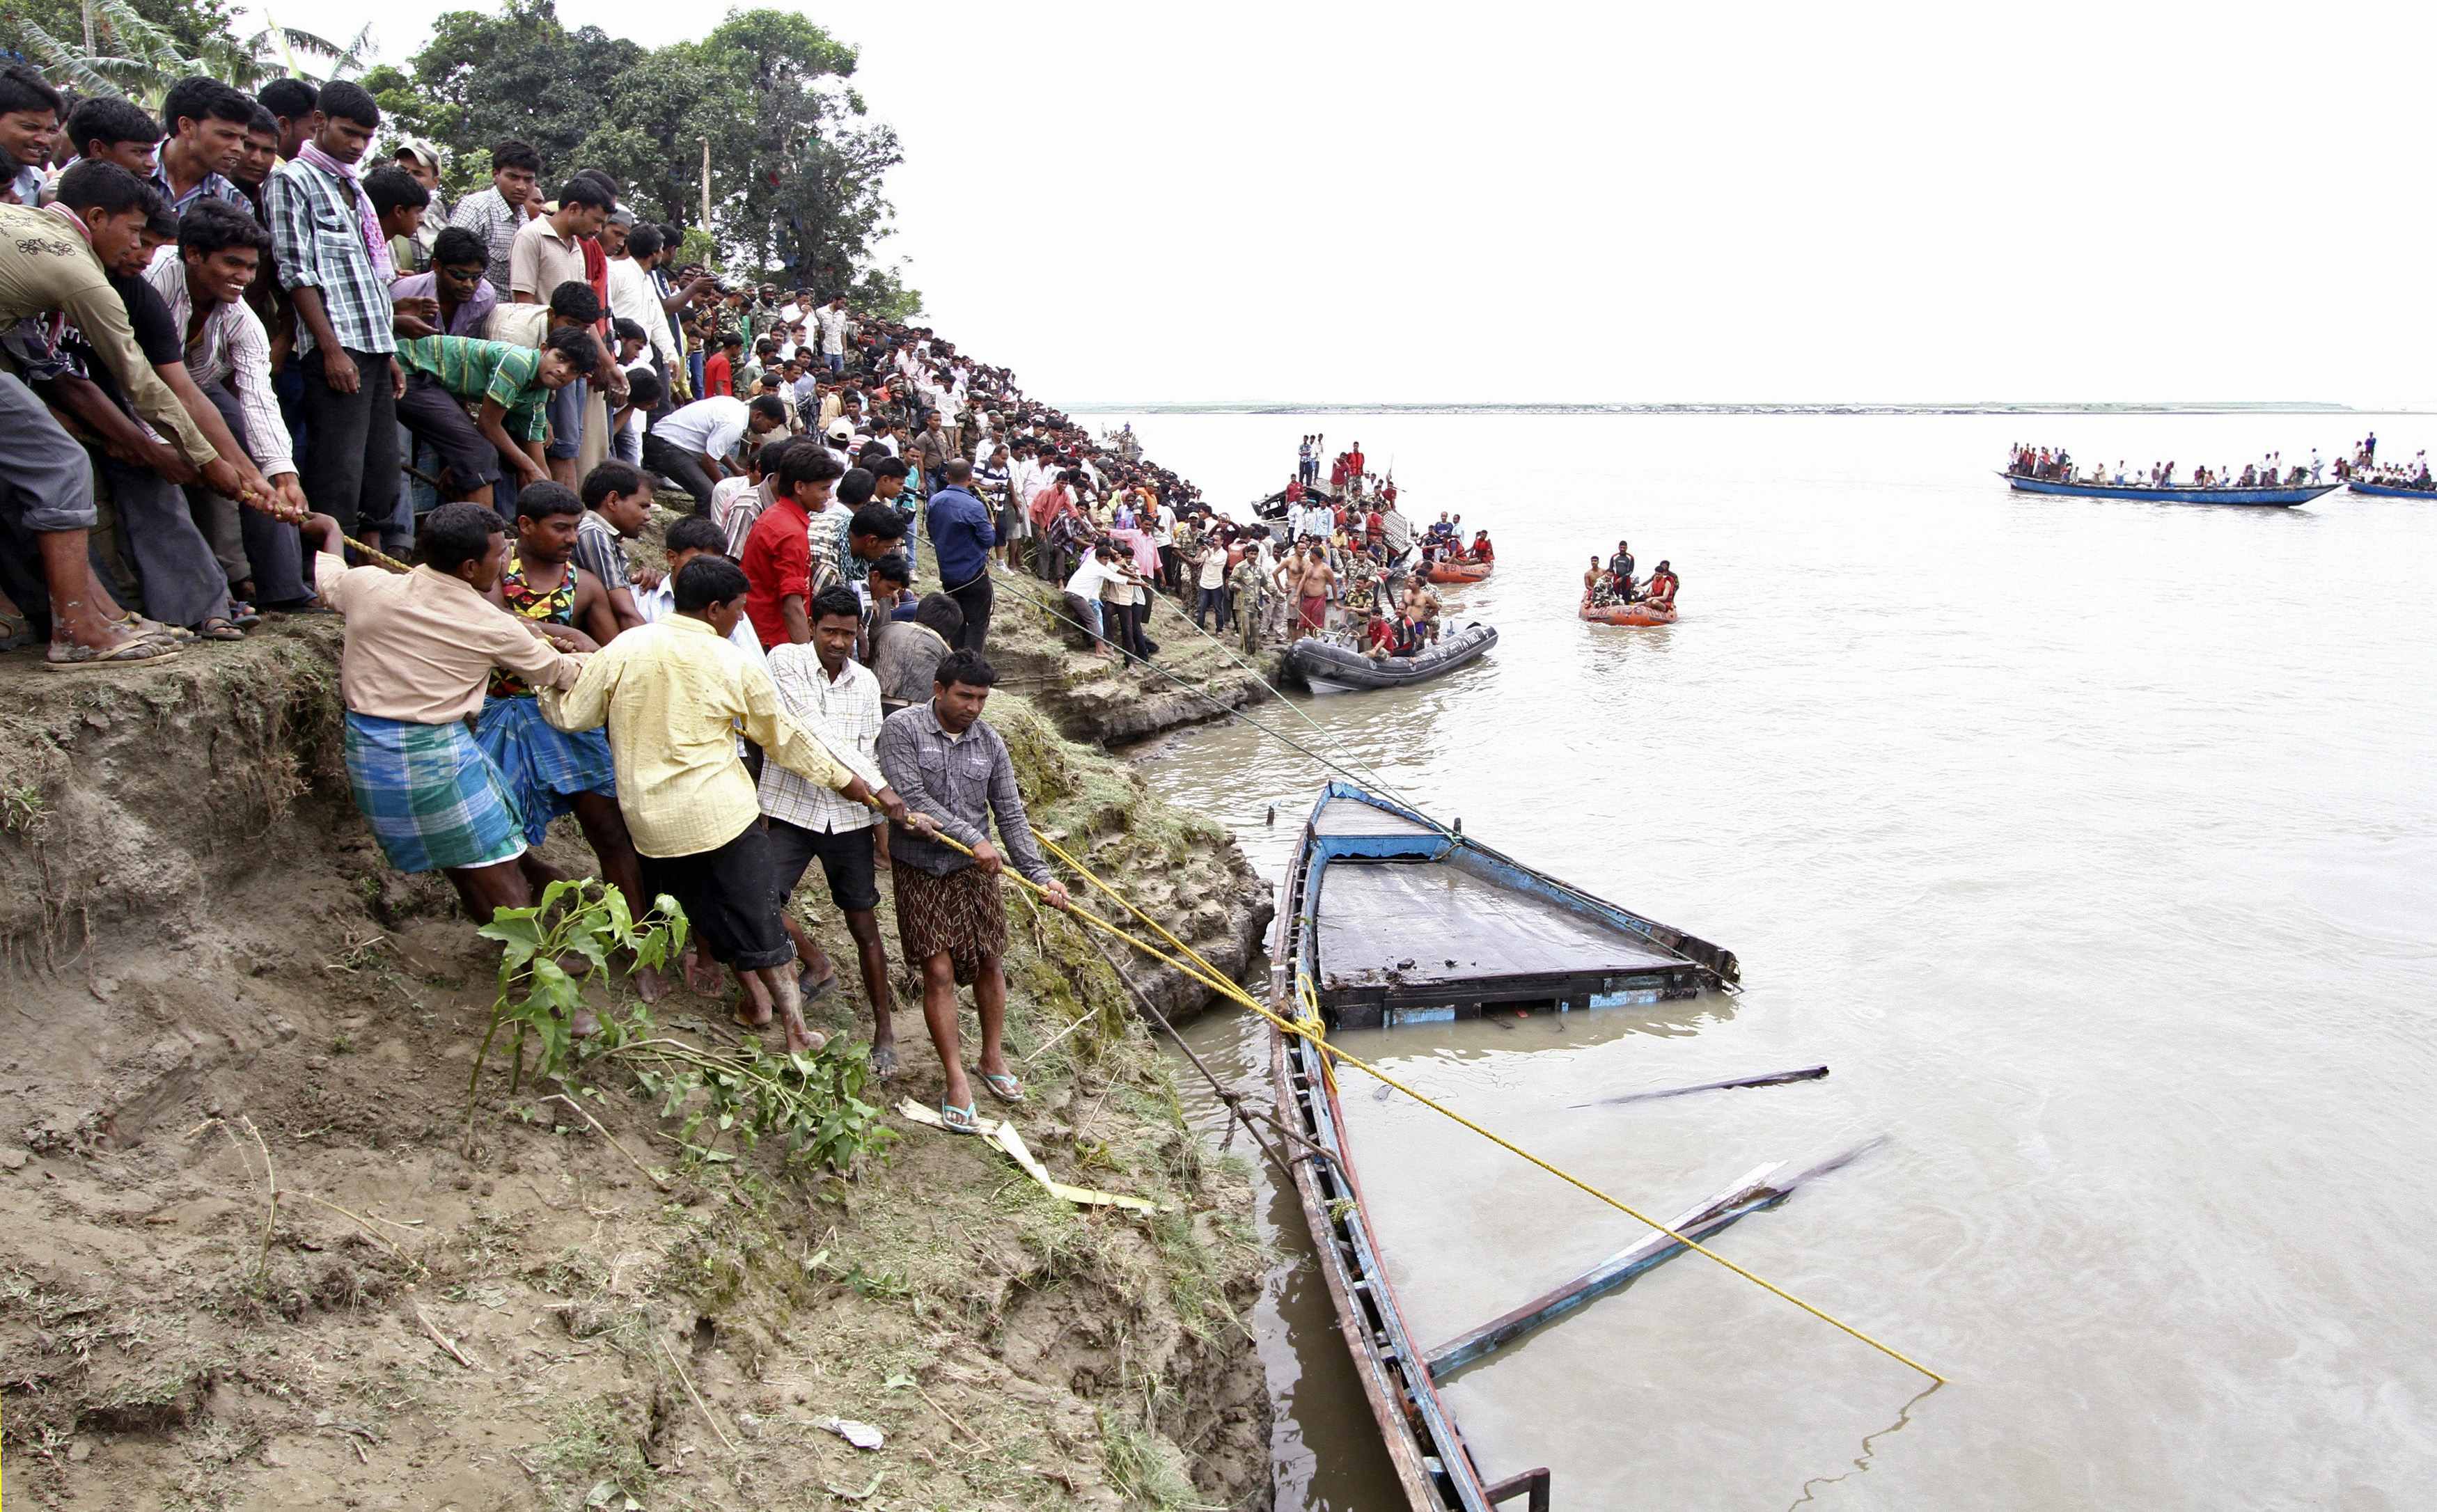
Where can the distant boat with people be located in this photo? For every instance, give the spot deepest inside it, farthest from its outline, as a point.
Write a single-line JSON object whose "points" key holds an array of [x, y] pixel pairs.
{"points": [[1645, 611], [2173, 493], [2360, 485], [1325, 667], [2267, 481]]}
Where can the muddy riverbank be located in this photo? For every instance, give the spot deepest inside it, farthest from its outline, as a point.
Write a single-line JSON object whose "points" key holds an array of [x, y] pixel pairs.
{"points": [[259, 1250]]}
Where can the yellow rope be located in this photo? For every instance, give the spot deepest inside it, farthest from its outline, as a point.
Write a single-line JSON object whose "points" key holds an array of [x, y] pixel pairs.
{"points": [[1306, 1026]]}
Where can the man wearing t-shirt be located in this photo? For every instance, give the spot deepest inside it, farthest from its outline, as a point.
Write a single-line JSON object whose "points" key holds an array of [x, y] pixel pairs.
{"points": [[778, 558], [693, 446], [547, 251]]}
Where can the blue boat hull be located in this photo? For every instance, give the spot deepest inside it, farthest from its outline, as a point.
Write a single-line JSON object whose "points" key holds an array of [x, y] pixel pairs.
{"points": [[2390, 491], [2279, 498]]}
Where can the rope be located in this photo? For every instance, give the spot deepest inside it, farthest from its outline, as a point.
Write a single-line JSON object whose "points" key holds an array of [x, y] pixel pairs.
{"points": [[1200, 971]]}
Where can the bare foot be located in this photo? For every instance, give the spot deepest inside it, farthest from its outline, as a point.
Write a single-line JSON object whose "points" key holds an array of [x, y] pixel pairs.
{"points": [[801, 1039], [752, 1008], [649, 984], [702, 973], [883, 1059]]}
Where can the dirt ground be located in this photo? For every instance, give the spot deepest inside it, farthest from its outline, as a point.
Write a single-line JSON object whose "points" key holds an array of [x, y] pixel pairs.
{"points": [[260, 1248]]}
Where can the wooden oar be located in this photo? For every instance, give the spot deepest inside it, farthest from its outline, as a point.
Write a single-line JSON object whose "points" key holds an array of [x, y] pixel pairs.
{"points": [[1806, 1073]]}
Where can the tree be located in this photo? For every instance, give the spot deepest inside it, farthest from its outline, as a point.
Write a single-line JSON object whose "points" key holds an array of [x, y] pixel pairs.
{"points": [[138, 48], [520, 74]]}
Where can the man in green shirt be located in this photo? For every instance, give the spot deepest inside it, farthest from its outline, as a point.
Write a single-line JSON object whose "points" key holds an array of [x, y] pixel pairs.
{"points": [[510, 388]]}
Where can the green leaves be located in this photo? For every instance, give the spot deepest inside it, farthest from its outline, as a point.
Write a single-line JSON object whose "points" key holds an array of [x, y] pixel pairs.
{"points": [[554, 953]]}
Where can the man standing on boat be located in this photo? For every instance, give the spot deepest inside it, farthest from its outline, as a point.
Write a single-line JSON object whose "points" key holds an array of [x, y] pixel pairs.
{"points": [[951, 919]]}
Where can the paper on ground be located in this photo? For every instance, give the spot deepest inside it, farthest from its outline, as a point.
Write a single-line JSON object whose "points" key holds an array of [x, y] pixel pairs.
{"points": [[1001, 1135]]}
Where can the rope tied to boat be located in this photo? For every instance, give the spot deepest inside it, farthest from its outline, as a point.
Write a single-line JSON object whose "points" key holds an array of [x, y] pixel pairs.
{"points": [[1306, 1026]]}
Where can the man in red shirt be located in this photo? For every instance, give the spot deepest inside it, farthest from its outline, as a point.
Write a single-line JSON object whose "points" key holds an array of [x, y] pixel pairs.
{"points": [[778, 558], [1354, 465], [1480, 548], [1294, 491], [718, 375], [1374, 527], [1337, 473]]}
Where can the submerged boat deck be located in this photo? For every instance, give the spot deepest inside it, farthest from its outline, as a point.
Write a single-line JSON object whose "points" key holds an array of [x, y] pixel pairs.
{"points": [[1409, 925]]}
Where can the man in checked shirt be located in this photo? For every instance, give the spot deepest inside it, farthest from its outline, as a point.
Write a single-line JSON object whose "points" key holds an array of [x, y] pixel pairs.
{"points": [[837, 698]]}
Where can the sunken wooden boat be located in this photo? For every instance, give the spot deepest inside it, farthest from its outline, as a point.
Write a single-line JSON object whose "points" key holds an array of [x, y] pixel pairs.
{"points": [[1326, 667], [2280, 495], [1391, 919], [2391, 490]]}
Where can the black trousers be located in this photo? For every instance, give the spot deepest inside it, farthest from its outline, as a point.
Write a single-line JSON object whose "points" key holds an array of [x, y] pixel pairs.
{"points": [[349, 469], [974, 600], [681, 467]]}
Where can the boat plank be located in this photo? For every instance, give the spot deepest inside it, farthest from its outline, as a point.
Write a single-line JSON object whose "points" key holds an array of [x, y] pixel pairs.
{"points": [[1762, 1187], [1806, 1073]]}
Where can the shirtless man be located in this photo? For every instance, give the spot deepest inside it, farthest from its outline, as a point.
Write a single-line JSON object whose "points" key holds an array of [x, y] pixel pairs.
{"points": [[1311, 596], [1591, 578], [1421, 604]]}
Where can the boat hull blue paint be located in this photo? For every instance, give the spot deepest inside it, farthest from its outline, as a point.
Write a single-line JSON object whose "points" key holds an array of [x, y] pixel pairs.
{"points": [[2271, 498], [2390, 490]]}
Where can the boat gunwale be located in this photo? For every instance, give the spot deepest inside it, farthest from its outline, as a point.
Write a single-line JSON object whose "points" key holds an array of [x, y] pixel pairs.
{"points": [[1417, 1429], [2273, 494]]}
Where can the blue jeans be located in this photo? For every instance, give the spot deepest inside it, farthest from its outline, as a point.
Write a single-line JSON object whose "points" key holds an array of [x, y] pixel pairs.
{"points": [[835, 359]]}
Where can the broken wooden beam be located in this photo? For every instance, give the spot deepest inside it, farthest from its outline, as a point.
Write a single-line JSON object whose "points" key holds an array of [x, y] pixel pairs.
{"points": [[1805, 1073], [1765, 1187]]}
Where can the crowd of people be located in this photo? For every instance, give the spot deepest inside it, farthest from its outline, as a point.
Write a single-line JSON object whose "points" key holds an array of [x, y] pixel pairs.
{"points": [[2271, 470], [241, 348]]}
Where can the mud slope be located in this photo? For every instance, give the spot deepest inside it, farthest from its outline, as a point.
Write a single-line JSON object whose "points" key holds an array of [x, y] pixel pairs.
{"points": [[219, 996]]}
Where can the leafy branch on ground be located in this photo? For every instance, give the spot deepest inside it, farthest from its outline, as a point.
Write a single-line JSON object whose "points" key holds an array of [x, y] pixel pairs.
{"points": [[812, 1105]]}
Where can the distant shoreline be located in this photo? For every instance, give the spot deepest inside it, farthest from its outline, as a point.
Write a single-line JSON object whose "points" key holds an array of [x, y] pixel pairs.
{"points": [[1280, 408]]}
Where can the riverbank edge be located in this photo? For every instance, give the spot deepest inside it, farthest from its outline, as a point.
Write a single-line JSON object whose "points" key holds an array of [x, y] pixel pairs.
{"points": [[222, 982]]}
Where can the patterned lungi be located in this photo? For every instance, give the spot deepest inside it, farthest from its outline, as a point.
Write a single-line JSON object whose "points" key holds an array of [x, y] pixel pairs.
{"points": [[960, 914], [544, 766], [433, 800]]}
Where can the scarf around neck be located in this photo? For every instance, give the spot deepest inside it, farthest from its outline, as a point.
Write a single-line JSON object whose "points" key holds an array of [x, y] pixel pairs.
{"points": [[367, 219]]}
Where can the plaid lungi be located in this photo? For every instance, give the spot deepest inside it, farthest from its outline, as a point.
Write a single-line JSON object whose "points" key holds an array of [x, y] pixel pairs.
{"points": [[433, 800], [960, 914], [544, 766]]}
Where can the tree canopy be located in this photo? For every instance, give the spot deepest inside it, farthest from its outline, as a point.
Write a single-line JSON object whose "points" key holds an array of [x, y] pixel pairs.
{"points": [[795, 164], [795, 167]]}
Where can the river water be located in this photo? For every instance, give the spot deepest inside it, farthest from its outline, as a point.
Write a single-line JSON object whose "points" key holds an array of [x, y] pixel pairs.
{"points": [[2092, 844]]}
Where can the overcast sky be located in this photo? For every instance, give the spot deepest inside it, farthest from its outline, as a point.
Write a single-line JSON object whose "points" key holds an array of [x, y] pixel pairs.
{"points": [[1528, 201]]}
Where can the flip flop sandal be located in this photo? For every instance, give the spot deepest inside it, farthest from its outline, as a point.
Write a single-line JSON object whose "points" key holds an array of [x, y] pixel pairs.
{"points": [[65, 657], [959, 1119], [244, 615], [15, 631], [137, 625], [1003, 1087], [812, 991], [217, 627]]}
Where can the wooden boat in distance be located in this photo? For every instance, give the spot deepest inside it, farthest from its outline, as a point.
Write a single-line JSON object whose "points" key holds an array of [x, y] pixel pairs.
{"points": [[1644, 613], [1373, 889], [1460, 572], [2390, 490], [2280, 495]]}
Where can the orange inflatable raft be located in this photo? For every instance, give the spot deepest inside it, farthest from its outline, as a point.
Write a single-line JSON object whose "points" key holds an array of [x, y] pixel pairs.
{"points": [[1460, 572], [1629, 614]]}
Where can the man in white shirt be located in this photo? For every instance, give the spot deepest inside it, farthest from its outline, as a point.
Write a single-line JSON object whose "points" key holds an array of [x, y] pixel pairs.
{"points": [[1083, 588], [693, 446], [687, 539], [632, 297], [221, 252], [830, 319], [837, 698]]}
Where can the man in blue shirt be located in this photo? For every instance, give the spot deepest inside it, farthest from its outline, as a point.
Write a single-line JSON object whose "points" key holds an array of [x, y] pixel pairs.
{"points": [[960, 524]]}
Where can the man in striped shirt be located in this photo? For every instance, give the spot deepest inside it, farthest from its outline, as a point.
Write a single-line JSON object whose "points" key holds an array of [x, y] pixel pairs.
{"points": [[511, 386], [836, 697], [220, 250], [498, 212]]}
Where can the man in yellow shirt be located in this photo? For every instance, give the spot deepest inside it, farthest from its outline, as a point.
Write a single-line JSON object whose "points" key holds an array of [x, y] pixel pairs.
{"points": [[673, 694]]}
